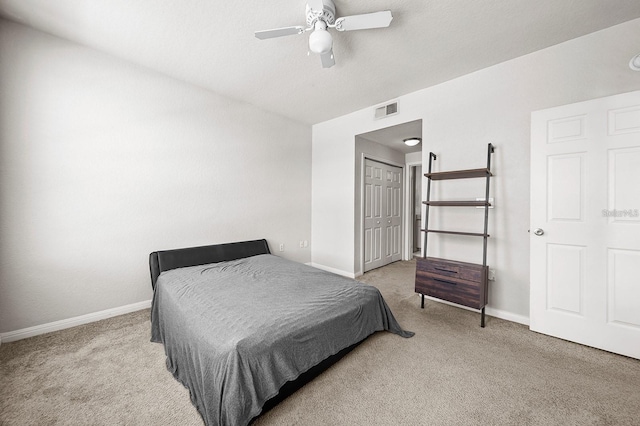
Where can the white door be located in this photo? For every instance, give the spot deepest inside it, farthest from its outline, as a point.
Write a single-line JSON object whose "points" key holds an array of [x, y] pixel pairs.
{"points": [[393, 214], [585, 223], [382, 214]]}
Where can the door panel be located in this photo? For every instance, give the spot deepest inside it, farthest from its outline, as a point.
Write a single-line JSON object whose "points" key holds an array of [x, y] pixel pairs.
{"points": [[565, 196], [624, 167], [373, 215], [623, 290], [565, 278]]}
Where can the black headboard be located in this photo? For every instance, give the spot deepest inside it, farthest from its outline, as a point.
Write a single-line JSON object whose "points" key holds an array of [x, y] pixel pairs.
{"points": [[165, 260]]}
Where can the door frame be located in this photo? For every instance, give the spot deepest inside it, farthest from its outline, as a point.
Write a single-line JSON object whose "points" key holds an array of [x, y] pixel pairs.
{"points": [[405, 184], [408, 209]]}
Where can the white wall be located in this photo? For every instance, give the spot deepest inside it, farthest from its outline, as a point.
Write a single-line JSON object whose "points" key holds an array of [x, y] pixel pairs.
{"points": [[102, 162], [460, 118]]}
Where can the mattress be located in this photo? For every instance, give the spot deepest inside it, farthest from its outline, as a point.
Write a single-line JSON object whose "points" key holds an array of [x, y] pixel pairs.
{"points": [[234, 332]]}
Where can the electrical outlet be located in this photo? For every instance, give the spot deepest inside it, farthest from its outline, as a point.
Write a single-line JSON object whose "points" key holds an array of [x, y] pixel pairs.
{"points": [[281, 246], [492, 274], [306, 243], [301, 244]]}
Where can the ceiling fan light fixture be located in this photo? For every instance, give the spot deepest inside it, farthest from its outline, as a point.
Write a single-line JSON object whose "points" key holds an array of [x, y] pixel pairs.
{"points": [[320, 41], [321, 15], [412, 141], [634, 63]]}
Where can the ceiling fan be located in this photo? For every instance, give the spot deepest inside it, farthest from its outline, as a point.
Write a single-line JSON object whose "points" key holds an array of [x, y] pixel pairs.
{"points": [[321, 15]]}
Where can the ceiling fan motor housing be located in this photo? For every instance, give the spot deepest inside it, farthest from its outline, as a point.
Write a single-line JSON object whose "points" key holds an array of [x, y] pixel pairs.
{"points": [[327, 14]]}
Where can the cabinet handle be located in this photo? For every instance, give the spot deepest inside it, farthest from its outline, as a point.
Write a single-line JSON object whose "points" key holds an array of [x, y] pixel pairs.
{"points": [[445, 270], [445, 281]]}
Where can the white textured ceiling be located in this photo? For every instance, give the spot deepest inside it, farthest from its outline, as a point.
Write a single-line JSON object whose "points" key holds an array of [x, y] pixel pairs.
{"points": [[394, 136], [211, 43]]}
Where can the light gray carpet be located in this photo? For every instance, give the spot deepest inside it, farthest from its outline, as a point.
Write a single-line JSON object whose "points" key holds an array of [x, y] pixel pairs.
{"points": [[450, 372]]}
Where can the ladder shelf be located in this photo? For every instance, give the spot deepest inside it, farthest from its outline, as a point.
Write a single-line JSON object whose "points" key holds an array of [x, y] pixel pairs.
{"points": [[458, 282]]}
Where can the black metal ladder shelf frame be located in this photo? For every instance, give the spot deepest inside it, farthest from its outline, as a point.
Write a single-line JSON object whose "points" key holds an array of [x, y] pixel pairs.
{"points": [[459, 174]]}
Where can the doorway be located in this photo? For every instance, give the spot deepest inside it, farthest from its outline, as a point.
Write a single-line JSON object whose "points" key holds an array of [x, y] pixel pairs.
{"points": [[415, 215], [386, 146], [382, 214]]}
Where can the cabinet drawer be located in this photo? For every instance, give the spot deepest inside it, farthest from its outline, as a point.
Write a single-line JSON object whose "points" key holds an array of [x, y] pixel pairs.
{"points": [[465, 293], [452, 268]]}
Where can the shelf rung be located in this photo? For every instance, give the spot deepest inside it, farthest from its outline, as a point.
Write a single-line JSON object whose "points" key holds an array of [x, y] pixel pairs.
{"points": [[459, 174], [471, 234], [458, 203]]}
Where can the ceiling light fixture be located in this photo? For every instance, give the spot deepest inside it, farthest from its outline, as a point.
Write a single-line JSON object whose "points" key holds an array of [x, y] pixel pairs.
{"points": [[412, 141], [320, 41], [634, 63]]}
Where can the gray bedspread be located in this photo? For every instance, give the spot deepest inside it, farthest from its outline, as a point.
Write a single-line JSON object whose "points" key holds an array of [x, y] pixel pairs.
{"points": [[234, 332]]}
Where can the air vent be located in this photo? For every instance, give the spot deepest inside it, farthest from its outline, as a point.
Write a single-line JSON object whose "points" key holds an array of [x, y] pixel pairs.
{"points": [[386, 110]]}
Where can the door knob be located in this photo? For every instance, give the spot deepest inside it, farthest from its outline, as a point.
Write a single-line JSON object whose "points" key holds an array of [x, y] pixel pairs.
{"points": [[539, 231]]}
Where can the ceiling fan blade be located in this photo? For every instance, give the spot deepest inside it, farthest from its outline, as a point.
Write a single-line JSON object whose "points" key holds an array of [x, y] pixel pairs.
{"points": [[365, 21], [279, 32], [327, 59]]}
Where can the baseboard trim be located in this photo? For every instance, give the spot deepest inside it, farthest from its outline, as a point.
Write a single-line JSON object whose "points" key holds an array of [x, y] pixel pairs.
{"points": [[24, 333], [509, 316], [334, 270]]}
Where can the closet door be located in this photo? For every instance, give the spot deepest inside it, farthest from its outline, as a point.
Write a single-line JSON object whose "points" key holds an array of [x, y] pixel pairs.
{"points": [[382, 214]]}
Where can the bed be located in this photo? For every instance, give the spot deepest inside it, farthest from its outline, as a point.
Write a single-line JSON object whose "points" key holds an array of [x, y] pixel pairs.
{"points": [[242, 329]]}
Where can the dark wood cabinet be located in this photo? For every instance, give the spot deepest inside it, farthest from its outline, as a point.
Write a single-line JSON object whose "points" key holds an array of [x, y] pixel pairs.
{"points": [[458, 282]]}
